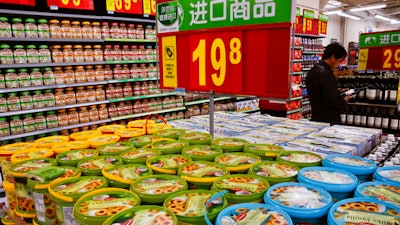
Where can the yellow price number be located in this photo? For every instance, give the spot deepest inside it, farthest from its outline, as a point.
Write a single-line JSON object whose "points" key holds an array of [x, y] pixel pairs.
{"points": [[391, 58], [309, 25], [124, 4], [153, 6], [218, 58], [75, 2]]}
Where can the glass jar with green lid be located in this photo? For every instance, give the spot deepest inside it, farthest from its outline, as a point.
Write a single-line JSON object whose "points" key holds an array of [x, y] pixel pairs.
{"points": [[38, 99], [30, 139], [48, 76], [3, 104], [19, 54], [16, 125], [44, 54], [36, 77], [43, 28], [24, 78], [51, 119], [26, 100], [32, 54], [31, 29], [5, 27], [11, 78], [18, 28], [13, 102], [6, 54], [49, 98], [29, 123], [4, 127], [40, 121], [2, 80]]}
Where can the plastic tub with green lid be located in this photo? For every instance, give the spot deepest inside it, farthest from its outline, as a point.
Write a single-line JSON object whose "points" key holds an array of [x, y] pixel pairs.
{"points": [[167, 164], [72, 158], [242, 188], [172, 133], [115, 148], [196, 138], [230, 144], [202, 152], [267, 152], [144, 215], [97, 206], [202, 172], [142, 141], [275, 172], [123, 176], [94, 165], [155, 189], [138, 156], [168, 145], [300, 158], [188, 206], [237, 161], [65, 192]]}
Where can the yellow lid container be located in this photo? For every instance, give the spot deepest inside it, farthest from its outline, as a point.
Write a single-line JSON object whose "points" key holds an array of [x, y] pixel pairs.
{"points": [[31, 154], [71, 145], [8, 150], [48, 142], [130, 132], [102, 140], [84, 135], [140, 123], [154, 128], [110, 129]]}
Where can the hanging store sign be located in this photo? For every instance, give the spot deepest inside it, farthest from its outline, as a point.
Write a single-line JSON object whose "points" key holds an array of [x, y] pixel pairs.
{"points": [[71, 4], [149, 7], [379, 51], [19, 2], [125, 6], [299, 21], [310, 24], [322, 24], [229, 47]]}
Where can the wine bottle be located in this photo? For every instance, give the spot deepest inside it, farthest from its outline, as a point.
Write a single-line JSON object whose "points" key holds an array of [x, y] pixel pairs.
{"points": [[370, 118], [350, 117], [394, 123], [378, 118], [363, 118], [357, 118], [371, 90], [394, 82], [385, 119], [343, 116]]}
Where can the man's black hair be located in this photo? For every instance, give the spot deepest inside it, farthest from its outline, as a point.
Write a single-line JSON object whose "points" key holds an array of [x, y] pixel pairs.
{"points": [[334, 49]]}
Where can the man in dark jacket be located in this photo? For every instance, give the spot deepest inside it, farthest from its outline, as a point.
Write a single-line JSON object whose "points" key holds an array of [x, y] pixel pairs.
{"points": [[326, 102]]}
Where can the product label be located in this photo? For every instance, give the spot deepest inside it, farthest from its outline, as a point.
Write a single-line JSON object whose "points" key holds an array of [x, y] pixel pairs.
{"points": [[40, 207], [130, 173], [144, 217], [68, 214], [139, 154], [204, 170], [328, 177], [168, 163], [391, 174], [370, 218], [33, 165], [195, 136], [195, 204], [100, 163], [254, 217], [76, 187], [102, 204], [200, 152], [350, 161], [301, 158], [237, 160], [241, 186], [152, 186], [384, 194]]}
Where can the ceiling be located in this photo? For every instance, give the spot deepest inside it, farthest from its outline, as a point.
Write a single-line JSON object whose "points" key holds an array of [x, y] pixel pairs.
{"points": [[392, 9]]}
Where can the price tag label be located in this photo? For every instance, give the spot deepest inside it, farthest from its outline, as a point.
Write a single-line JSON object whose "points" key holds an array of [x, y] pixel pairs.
{"points": [[72, 4], [391, 58], [322, 24], [149, 7], [19, 2], [125, 6]]}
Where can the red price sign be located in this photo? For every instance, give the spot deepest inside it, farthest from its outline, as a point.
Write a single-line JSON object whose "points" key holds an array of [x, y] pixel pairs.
{"points": [[149, 7], [299, 24], [19, 2], [216, 61], [72, 4], [322, 26], [127, 6], [391, 58]]}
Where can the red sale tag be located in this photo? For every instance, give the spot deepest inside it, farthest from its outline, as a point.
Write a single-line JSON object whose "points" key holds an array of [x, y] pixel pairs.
{"points": [[19, 2], [391, 58], [72, 4], [128, 6]]}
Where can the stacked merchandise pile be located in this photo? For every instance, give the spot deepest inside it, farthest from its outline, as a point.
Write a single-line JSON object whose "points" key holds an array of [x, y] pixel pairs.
{"points": [[102, 176]]}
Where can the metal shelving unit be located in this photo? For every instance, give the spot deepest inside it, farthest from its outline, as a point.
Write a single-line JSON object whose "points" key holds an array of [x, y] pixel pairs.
{"points": [[31, 65], [64, 40], [147, 113], [129, 40], [141, 97]]}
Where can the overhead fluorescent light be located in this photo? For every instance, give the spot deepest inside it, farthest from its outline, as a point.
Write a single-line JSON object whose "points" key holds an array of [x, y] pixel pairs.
{"points": [[394, 21], [380, 6], [382, 17], [349, 16], [333, 12]]}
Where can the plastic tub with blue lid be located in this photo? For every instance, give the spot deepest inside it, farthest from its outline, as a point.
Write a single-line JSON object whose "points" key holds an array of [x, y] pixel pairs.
{"points": [[384, 191], [388, 173], [363, 211], [253, 213], [304, 203], [339, 183], [361, 167]]}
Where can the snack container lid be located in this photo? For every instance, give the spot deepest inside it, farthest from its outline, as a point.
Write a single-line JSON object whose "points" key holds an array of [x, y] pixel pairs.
{"points": [[172, 133], [71, 189], [156, 187], [202, 152], [96, 164], [299, 200], [130, 132], [84, 135], [241, 185], [363, 211], [126, 173], [8, 150], [388, 173], [96, 206], [237, 161], [230, 143], [328, 178], [8, 186], [48, 142], [143, 215], [71, 145], [110, 129], [353, 164], [140, 154], [253, 213], [153, 128], [142, 141], [140, 123], [31, 154], [263, 149], [115, 148], [19, 169], [102, 140], [196, 138], [274, 170], [73, 157], [191, 204], [383, 191], [202, 172], [167, 164], [300, 157], [168, 145]]}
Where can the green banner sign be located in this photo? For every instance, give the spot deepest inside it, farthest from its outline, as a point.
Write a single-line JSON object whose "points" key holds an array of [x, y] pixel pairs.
{"points": [[379, 39], [323, 17], [308, 14], [298, 11], [181, 15]]}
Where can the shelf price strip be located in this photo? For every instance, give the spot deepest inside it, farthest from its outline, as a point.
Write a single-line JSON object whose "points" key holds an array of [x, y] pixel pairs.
{"points": [[224, 46], [71, 4], [125, 6]]}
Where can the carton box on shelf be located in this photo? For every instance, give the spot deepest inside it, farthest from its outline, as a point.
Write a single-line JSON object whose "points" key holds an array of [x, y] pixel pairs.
{"points": [[247, 105], [265, 119], [320, 146], [375, 134]]}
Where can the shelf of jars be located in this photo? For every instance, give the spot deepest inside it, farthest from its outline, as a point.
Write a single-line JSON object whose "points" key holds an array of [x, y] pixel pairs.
{"points": [[63, 64], [147, 113], [142, 97], [111, 62], [128, 40], [64, 40]]}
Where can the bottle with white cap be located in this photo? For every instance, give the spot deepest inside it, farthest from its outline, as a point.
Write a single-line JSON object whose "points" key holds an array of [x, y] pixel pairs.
{"points": [[395, 161], [388, 163]]}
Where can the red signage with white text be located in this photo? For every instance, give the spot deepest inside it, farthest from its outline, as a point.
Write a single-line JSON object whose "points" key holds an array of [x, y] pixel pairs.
{"points": [[19, 2], [72, 4]]}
